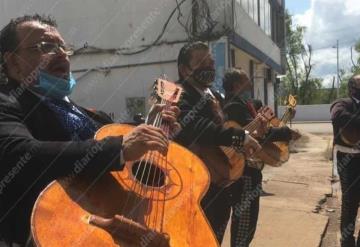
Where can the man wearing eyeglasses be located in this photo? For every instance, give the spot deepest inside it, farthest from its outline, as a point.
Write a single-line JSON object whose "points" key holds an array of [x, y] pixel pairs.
{"points": [[43, 134]]}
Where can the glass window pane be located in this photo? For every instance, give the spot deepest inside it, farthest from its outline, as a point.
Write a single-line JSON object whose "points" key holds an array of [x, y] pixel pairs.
{"points": [[256, 11], [268, 18], [251, 9], [262, 14], [244, 4]]}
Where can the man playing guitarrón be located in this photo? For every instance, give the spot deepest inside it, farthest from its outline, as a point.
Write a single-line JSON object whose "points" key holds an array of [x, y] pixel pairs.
{"points": [[44, 135]]}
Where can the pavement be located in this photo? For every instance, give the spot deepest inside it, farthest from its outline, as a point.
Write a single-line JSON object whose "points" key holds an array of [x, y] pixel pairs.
{"points": [[294, 214], [314, 127]]}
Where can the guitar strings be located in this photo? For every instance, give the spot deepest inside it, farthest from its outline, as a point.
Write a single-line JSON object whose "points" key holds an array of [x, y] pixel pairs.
{"points": [[251, 127], [157, 123], [148, 167], [160, 161], [133, 188], [133, 184], [145, 159]]}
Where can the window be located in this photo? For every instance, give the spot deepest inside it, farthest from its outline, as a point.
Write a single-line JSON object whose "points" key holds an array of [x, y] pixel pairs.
{"points": [[245, 5], [267, 18], [251, 9], [135, 105], [262, 14], [260, 11], [256, 12]]}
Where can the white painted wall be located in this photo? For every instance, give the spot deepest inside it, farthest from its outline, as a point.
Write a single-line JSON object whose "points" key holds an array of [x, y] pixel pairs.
{"points": [[248, 29], [259, 82], [127, 24], [309, 112], [271, 95], [106, 24], [242, 59]]}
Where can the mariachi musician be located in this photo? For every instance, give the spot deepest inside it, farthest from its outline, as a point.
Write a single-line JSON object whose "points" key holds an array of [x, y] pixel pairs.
{"points": [[202, 122], [346, 124], [43, 134], [239, 108]]}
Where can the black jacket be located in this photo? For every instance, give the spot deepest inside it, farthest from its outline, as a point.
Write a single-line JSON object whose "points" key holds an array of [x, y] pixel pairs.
{"points": [[197, 121], [345, 113], [236, 109], [34, 150]]}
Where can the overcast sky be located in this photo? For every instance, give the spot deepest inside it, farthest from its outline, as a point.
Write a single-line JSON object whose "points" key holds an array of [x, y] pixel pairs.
{"points": [[326, 22]]}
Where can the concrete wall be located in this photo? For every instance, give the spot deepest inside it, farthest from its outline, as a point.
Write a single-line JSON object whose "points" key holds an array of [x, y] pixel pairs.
{"points": [[309, 112], [242, 60], [249, 30], [271, 97], [106, 23], [128, 25], [259, 82]]}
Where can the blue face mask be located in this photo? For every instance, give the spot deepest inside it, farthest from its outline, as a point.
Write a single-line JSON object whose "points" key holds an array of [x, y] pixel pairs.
{"points": [[53, 86]]}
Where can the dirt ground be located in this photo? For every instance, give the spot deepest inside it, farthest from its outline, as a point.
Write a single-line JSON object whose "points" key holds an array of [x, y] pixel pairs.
{"points": [[304, 206]]}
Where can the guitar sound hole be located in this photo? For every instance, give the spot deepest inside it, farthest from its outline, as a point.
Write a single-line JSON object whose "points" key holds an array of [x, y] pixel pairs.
{"points": [[148, 174]]}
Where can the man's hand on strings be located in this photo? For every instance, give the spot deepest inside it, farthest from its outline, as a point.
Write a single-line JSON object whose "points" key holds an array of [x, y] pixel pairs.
{"points": [[142, 139], [251, 146], [263, 128], [168, 115]]}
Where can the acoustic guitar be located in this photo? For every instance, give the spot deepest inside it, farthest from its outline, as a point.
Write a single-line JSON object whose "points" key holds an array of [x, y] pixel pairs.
{"points": [[269, 152], [152, 202], [288, 114], [226, 165]]}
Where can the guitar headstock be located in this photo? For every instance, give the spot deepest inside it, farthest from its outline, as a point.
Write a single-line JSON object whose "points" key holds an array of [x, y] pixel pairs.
{"points": [[167, 90], [291, 101], [267, 112]]}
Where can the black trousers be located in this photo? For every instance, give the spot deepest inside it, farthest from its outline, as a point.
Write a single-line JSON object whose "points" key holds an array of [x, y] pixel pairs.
{"points": [[349, 171], [243, 198]]}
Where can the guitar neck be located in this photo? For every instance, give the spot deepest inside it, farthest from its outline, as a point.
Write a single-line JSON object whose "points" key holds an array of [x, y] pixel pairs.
{"points": [[253, 125], [286, 117]]}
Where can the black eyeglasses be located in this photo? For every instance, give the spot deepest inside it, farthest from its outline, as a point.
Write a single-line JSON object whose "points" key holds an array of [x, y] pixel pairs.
{"points": [[52, 48]]}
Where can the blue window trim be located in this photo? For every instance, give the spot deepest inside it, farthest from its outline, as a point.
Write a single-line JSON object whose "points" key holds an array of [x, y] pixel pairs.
{"points": [[246, 46]]}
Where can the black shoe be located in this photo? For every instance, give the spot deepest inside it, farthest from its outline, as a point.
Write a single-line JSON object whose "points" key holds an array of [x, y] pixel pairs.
{"points": [[348, 242]]}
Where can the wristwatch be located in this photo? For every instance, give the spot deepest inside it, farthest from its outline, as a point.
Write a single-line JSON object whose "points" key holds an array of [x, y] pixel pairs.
{"points": [[239, 140]]}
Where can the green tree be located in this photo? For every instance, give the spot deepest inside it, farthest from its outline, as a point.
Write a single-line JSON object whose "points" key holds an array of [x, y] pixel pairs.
{"points": [[356, 65], [298, 80], [355, 69]]}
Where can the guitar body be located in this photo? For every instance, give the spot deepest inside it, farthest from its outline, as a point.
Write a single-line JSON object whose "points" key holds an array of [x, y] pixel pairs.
{"points": [[284, 151], [62, 213], [270, 153], [224, 163], [282, 148]]}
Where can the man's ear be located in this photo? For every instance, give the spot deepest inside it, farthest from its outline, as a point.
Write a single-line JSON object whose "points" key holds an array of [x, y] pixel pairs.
{"points": [[183, 70], [12, 64]]}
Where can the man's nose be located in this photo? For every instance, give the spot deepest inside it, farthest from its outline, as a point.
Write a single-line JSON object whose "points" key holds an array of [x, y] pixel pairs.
{"points": [[210, 61], [61, 52]]}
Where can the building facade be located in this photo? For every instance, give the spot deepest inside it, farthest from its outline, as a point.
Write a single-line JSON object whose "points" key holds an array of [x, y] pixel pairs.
{"points": [[123, 46]]}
